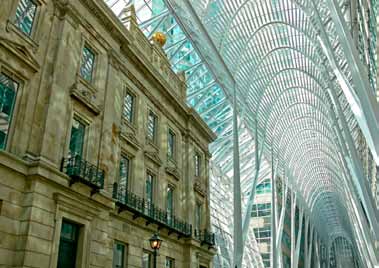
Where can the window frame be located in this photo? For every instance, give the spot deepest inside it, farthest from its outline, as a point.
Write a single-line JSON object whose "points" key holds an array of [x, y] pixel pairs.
{"points": [[198, 215], [172, 188], [87, 122], [129, 171], [154, 139], [34, 24], [170, 259], [132, 122], [153, 181], [150, 254], [84, 123], [32, 38], [86, 44], [19, 92], [124, 256], [173, 155], [81, 236], [197, 168]]}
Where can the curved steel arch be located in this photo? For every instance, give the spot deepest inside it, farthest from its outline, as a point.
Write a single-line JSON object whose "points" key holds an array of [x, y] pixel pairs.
{"points": [[262, 27], [302, 54]]}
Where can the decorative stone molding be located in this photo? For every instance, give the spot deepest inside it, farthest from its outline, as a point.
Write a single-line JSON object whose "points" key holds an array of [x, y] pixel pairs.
{"points": [[129, 135], [153, 156], [61, 8], [86, 97], [173, 171], [200, 187], [153, 53], [21, 52]]}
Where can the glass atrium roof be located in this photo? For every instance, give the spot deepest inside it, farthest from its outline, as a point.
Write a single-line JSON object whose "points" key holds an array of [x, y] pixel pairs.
{"points": [[297, 112]]}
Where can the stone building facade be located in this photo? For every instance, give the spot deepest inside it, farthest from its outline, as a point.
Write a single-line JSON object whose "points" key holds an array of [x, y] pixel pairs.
{"points": [[98, 148]]}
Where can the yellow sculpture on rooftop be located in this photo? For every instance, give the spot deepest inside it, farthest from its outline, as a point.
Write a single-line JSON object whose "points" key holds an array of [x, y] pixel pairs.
{"points": [[160, 38]]}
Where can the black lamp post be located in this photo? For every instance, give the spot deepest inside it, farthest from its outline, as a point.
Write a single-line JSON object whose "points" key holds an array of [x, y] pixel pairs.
{"points": [[155, 244]]}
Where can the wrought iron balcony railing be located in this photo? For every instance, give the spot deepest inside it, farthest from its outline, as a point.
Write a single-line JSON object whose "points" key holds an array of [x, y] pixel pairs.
{"points": [[146, 209], [82, 171], [205, 237]]}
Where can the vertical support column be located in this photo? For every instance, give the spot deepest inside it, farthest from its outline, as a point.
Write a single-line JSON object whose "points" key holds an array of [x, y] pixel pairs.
{"points": [[281, 221], [293, 214], [327, 260], [306, 240], [250, 202], [273, 216], [298, 242], [310, 248], [237, 215], [317, 253]]}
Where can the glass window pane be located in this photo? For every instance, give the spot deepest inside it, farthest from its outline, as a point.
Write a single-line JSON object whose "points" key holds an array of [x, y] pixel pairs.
{"points": [[151, 126], [171, 144], [197, 165], [124, 172], [68, 245], [170, 203], [170, 263], [69, 230], [8, 89], [77, 138], [128, 111], [149, 188], [146, 260], [118, 255], [25, 14], [88, 61], [198, 216]]}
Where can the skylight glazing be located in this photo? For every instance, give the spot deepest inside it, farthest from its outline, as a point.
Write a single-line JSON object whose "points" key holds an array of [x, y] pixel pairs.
{"points": [[287, 63]]}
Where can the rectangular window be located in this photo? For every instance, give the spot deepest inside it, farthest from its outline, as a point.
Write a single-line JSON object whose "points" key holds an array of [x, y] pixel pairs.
{"points": [[197, 164], [68, 245], [149, 187], [147, 260], [25, 15], [198, 212], [124, 172], [149, 193], [170, 203], [171, 144], [152, 126], [87, 64], [119, 255], [170, 263], [8, 91], [77, 138], [128, 111]]}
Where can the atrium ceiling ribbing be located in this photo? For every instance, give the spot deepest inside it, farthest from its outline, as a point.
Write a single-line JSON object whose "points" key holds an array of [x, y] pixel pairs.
{"points": [[289, 92]]}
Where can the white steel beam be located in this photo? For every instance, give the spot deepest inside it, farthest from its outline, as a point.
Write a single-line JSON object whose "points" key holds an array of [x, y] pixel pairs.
{"points": [[237, 212], [368, 114], [298, 242], [273, 216], [293, 218]]}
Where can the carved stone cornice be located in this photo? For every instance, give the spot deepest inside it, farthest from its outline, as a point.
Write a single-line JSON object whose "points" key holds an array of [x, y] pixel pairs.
{"points": [[173, 171], [61, 8], [200, 187], [21, 52], [129, 135], [100, 11], [154, 157], [86, 97]]}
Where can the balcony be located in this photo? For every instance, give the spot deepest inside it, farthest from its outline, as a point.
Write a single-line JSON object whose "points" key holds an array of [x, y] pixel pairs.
{"points": [[82, 171], [140, 207], [205, 237]]}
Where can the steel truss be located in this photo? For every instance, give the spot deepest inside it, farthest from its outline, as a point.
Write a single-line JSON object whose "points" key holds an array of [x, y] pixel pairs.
{"points": [[300, 100]]}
